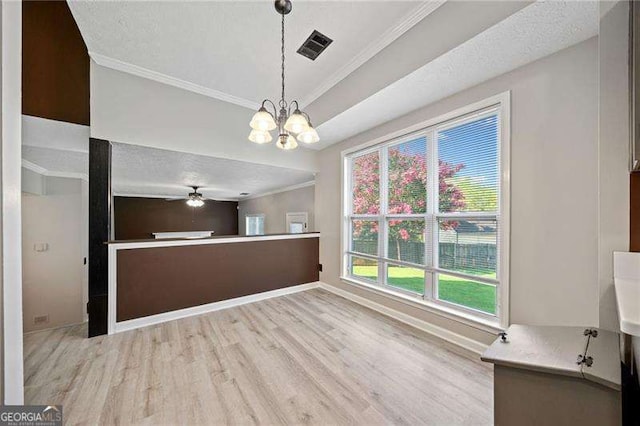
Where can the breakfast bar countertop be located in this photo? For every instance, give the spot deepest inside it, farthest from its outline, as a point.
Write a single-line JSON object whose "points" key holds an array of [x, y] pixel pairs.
{"points": [[218, 237]]}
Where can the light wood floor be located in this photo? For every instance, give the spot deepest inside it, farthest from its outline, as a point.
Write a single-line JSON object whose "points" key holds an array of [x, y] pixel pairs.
{"points": [[309, 357]]}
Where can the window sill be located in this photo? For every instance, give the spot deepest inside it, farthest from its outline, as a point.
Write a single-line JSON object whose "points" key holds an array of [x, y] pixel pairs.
{"points": [[470, 320]]}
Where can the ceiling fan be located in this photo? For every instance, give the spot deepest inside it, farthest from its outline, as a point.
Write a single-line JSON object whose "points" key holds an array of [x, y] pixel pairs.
{"points": [[194, 199]]}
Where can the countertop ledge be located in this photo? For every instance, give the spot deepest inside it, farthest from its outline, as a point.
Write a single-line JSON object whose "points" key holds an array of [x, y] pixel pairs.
{"points": [[219, 237], [628, 301], [627, 288]]}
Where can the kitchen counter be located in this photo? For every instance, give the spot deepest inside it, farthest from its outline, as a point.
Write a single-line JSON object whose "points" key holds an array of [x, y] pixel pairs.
{"points": [[152, 281], [217, 238]]}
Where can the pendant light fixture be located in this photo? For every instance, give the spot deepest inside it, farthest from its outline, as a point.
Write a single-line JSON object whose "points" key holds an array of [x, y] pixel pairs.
{"points": [[291, 126]]}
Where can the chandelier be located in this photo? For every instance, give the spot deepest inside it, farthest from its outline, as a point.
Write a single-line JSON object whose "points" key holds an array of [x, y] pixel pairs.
{"points": [[291, 126]]}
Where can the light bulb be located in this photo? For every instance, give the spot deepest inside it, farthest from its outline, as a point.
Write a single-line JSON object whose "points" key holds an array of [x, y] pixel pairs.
{"points": [[309, 136], [296, 123], [259, 136], [287, 142], [195, 202], [263, 121]]}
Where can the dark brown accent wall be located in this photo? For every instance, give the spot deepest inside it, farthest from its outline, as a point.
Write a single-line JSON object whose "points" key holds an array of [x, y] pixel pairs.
{"points": [[163, 279], [55, 63], [137, 218]]}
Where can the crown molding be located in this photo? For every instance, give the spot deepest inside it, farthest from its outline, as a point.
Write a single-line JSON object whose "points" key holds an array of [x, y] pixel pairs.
{"points": [[68, 175], [136, 70], [44, 172], [385, 39], [277, 191], [33, 167]]}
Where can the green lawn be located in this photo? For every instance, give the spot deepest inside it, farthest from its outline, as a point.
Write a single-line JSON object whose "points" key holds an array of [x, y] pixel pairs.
{"points": [[452, 289]]}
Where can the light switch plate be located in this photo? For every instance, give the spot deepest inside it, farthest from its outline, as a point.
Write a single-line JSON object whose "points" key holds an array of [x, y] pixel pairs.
{"points": [[40, 247]]}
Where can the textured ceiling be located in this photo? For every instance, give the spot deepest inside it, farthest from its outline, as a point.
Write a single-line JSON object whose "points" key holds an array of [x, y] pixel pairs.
{"points": [[148, 171], [57, 160], [234, 46], [530, 34]]}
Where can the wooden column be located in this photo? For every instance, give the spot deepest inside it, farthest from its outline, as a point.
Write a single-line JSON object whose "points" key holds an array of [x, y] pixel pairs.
{"points": [[99, 233]]}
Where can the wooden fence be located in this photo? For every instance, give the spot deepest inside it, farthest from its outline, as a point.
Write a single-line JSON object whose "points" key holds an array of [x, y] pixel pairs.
{"points": [[451, 255]]}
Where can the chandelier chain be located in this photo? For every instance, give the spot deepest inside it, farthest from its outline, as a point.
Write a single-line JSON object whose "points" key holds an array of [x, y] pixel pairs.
{"points": [[282, 101]]}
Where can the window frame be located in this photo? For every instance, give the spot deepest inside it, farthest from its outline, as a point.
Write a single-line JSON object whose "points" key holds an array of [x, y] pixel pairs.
{"points": [[254, 215], [499, 104]]}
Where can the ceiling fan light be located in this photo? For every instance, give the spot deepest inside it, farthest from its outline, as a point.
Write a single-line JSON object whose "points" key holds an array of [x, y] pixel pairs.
{"points": [[263, 121], [287, 142], [309, 136], [195, 202], [260, 137], [296, 123]]}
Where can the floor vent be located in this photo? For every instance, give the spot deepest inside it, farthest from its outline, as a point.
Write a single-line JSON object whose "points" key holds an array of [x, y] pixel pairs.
{"points": [[314, 45]]}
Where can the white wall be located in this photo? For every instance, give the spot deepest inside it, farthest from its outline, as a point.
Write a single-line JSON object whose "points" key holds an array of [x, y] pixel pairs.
{"points": [[554, 181], [53, 280], [32, 182], [135, 110], [613, 151], [12, 390], [62, 186], [276, 206]]}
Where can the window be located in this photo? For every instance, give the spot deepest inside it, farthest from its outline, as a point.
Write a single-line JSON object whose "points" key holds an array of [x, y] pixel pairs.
{"points": [[254, 224], [425, 215]]}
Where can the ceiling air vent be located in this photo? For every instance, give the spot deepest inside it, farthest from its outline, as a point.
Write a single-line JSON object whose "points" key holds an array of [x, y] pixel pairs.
{"points": [[242, 194], [314, 45]]}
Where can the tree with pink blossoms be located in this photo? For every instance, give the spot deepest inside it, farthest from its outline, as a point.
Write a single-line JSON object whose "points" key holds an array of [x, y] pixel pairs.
{"points": [[407, 194]]}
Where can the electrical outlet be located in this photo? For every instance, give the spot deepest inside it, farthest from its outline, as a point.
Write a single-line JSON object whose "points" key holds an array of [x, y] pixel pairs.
{"points": [[43, 319]]}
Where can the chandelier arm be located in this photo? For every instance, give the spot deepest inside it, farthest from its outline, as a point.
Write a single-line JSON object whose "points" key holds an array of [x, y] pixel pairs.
{"points": [[306, 116], [275, 109], [291, 105]]}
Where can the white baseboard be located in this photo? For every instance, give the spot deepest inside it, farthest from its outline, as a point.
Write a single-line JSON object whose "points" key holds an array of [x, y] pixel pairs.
{"points": [[57, 327], [209, 307], [444, 334]]}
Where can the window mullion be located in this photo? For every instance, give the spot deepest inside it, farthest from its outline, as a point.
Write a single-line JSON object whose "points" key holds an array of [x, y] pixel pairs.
{"points": [[432, 185], [382, 222], [347, 200], [435, 192]]}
